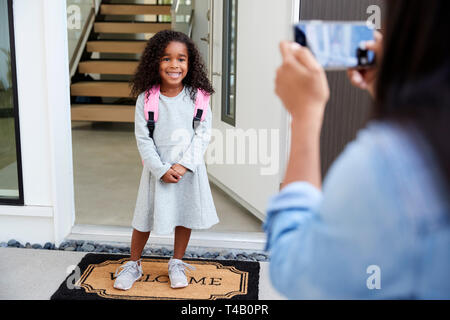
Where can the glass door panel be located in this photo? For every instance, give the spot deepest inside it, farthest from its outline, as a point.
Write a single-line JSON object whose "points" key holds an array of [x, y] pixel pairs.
{"points": [[10, 170]]}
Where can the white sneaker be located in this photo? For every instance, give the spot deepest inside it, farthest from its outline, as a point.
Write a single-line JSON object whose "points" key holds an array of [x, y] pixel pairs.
{"points": [[130, 273], [177, 273]]}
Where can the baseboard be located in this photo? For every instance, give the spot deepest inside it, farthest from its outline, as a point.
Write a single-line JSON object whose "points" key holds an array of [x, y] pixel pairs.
{"points": [[203, 239]]}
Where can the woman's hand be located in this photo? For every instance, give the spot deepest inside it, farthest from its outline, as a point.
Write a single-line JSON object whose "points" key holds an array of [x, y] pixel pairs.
{"points": [[365, 78], [301, 83], [171, 176]]}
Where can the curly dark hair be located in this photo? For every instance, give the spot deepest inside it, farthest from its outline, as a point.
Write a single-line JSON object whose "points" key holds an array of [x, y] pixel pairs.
{"points": [[147, 73]]}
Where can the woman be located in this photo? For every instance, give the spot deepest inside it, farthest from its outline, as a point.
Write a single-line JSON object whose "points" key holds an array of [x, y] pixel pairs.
{"points": [[380, 227]]}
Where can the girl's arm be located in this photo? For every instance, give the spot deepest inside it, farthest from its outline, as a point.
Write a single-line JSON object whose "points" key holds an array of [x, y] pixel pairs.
{"points": [[146, 145], [193, 156]]}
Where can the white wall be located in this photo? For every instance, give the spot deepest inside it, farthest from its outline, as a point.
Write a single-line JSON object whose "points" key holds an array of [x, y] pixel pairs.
{"points": [[32, 97]]}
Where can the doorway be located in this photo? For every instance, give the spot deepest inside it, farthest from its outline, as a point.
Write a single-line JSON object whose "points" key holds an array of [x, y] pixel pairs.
{"points": [[106, 162]]}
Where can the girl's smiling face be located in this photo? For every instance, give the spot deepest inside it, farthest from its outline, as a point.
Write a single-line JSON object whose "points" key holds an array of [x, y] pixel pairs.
{"points": [[173, 66]]}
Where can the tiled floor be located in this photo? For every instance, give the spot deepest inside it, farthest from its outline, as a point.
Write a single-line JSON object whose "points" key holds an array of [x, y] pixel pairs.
{"points": [[107, 170]]}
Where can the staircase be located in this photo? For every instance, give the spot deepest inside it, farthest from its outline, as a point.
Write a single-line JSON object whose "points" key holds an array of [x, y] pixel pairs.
{"points": [[100, 89]]}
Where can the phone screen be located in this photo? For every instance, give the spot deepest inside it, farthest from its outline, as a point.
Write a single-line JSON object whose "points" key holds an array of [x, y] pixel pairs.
{"points": [[337, 45]]}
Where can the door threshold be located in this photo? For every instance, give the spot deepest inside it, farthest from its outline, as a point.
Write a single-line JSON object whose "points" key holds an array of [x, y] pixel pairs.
{"points": [[202, 239]]}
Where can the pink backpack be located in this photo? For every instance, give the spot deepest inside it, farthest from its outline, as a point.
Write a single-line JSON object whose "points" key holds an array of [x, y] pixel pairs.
{"points": [[152, 103]]}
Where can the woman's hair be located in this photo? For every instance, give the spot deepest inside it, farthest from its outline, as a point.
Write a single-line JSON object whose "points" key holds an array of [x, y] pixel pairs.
{"points": [[147, 74], [413, 85]]}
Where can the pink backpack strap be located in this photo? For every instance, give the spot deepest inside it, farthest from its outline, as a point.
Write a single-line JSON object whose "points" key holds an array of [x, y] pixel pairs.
{"points": [[152, 102], [201, 105], [151, 107]]}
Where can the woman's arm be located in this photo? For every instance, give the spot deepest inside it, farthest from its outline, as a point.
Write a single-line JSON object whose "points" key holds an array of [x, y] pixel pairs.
{"points": [[323, 244], [304, 157], [302, 86]]}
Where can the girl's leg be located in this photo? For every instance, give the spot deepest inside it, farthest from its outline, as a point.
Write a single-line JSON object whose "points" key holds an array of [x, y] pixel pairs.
{"points": [[138, 242], [182, 236]]}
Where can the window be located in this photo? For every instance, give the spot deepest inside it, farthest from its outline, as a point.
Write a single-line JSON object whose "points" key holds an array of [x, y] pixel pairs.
{"points": [[229, 62], [11, 190]]}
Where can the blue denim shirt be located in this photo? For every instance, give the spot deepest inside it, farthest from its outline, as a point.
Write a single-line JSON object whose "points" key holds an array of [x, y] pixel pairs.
{"points": [[380, 229]]}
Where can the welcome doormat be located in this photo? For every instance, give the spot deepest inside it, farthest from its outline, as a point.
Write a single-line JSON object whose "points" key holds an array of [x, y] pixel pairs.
{"points": [[93, 279]]}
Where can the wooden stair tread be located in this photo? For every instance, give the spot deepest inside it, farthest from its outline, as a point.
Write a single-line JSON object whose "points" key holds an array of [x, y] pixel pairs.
{"points": [[116, 46], [131, 27], [108, 67], [101, 89], [103, 112], [134, 9]]}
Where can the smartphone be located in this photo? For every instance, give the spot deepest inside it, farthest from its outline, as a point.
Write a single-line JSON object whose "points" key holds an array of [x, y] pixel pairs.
{"points": [[337, 45]]}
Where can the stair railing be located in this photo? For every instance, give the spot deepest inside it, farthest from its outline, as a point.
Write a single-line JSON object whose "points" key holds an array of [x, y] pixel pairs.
{"points": [[80, 21], [182, 13]]}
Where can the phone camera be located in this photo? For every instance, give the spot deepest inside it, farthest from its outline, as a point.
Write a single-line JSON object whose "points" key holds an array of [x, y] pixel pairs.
{"points": [[363, 58]]}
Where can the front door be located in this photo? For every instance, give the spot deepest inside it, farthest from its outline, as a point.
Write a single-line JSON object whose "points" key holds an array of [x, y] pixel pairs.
{"points": [[248, 150]]}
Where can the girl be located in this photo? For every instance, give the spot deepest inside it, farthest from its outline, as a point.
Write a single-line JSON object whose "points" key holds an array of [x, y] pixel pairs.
{"points": [[174, 192]]}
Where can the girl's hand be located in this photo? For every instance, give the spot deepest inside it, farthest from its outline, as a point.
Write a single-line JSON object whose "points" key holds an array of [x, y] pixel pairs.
{"points": [[181, 170], [365, 78], [171, 176], [301, 83]]}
